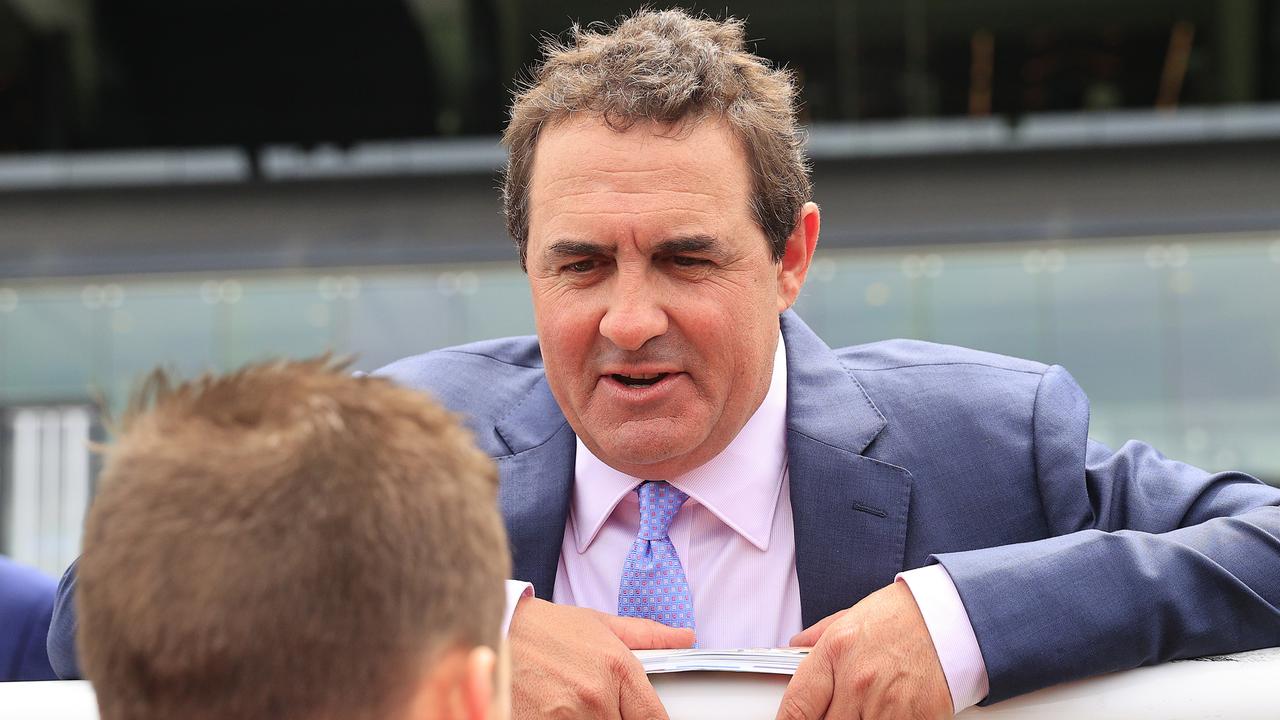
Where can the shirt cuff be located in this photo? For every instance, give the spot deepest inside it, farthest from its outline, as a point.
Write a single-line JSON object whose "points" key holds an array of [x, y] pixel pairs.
{"points": [[951, 632], [516, 590]]}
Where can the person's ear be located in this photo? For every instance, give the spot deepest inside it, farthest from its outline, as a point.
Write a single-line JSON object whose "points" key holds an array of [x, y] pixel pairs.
{"points": [[458, 685], [479, 699], [798, 256]]}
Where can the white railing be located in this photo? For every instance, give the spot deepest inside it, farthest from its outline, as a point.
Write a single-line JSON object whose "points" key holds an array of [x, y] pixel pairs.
{"points": [[1240, 687]]}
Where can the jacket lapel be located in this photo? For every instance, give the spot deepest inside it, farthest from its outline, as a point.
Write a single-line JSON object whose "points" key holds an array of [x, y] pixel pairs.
{"points": [[536, 483], [850, 511]]}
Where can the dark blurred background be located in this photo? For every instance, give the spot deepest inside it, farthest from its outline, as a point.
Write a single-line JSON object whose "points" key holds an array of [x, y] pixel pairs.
{"points": [[201, 183], [93, 74]]}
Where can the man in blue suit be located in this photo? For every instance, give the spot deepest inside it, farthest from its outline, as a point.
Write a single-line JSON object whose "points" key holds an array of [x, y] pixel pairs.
{"points": [[658, 197], [936, 523], [26, 606]]}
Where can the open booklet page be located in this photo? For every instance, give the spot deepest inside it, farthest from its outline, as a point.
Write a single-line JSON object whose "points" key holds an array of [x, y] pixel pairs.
{"points": [[773, 661]]}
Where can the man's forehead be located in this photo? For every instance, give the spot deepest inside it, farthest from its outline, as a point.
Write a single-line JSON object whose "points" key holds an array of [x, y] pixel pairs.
{"points": [[643, 145], [648, 183], [576, 160]]}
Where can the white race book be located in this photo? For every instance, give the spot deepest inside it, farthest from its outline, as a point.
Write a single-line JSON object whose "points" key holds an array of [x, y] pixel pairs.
{"points": [[772, 661]]}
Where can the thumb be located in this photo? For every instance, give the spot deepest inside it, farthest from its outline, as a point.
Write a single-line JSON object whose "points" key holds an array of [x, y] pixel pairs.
{"points": [[641, 634], [809, 693], [811, 635]]}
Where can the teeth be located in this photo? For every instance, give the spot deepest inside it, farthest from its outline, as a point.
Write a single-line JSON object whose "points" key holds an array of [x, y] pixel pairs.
{"points": [[639, 378]]}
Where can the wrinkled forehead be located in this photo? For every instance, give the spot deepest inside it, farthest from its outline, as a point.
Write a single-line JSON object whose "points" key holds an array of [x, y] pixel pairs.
{"points": [[583, 156]]}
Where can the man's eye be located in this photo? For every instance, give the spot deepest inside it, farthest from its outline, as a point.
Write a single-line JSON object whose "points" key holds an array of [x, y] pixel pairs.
{"points": [[581, 266], [686, 261]]}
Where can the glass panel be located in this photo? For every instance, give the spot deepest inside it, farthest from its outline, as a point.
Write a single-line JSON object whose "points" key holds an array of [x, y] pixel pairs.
{"points": [[857, 297], [499, 305], [988, 300], [1226, 297], [160, 324], [1176, 341], [1109, 323], [51, 343], [269, 317], [396, 315]]}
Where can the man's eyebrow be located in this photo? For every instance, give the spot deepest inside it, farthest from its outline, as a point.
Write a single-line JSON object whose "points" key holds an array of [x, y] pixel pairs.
{"points": [[573, 248], [689, 244], [672, 246]]}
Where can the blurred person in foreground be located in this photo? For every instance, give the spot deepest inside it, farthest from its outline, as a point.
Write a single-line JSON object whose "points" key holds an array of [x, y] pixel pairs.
{"points": [[291, 542], [680, 455]]}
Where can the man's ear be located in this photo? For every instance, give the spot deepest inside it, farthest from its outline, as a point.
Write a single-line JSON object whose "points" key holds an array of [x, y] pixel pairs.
{"points": [[480, 701], [794, 266]]}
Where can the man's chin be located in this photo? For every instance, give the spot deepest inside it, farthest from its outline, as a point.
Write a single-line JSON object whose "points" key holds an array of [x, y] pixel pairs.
{"points": [[647, 454]]}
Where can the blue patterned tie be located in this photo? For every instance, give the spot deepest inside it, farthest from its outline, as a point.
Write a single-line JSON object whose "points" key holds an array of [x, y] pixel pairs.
{"points": [[653, 583]]}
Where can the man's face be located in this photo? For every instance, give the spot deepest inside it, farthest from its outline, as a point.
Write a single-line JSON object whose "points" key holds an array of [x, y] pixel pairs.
{"points": [[655, 293]]}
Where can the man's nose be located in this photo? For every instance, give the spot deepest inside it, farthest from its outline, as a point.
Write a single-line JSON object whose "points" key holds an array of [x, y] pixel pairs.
{"points": [[634, 316]]}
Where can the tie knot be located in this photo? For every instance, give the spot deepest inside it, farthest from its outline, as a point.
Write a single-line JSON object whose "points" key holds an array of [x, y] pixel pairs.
{"points": [[659, 503]]}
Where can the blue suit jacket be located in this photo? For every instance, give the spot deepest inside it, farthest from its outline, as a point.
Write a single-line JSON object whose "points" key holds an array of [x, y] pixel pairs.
{"points": [[26, 605], [1071, 560]]}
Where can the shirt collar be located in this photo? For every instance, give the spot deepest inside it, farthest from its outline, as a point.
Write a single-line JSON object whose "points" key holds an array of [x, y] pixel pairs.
{"points": [[740, 486]]}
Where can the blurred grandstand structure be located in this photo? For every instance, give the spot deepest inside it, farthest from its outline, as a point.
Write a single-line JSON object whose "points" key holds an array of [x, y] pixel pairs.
{"points": [[1085, 183]]}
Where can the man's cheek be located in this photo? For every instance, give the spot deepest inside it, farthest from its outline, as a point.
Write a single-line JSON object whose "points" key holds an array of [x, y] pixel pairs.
{"points": [[568, 343]]}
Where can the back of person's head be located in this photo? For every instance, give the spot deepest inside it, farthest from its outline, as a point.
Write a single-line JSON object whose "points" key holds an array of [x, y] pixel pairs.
{"points": [[289, 541], [666, 68]]}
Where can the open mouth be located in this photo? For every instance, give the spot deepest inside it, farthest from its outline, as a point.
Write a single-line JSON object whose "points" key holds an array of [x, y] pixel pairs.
{"points": [[639, 380]]}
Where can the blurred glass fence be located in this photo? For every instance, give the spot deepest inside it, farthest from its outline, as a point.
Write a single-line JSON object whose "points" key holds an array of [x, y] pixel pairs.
{"points": [[1176, 340], [47, 476]]}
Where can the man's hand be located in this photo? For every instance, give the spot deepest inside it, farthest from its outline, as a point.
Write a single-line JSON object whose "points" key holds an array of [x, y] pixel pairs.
{"points": [[570, 662], [874, 660]]}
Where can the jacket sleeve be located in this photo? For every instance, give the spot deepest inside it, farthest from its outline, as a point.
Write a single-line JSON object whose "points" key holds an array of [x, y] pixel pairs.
{"points": [[1150, 560], [62, 629], [26, 602]]}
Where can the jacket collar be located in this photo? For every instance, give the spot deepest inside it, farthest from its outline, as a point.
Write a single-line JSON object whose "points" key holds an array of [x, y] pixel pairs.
{"points": [[824, 401], [849, 510], [536, 484]]}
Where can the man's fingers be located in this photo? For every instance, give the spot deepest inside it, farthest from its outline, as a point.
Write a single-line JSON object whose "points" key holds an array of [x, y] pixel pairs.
{"points": [[809, 694], [811, 635], [640, 634], [637, 700]]}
